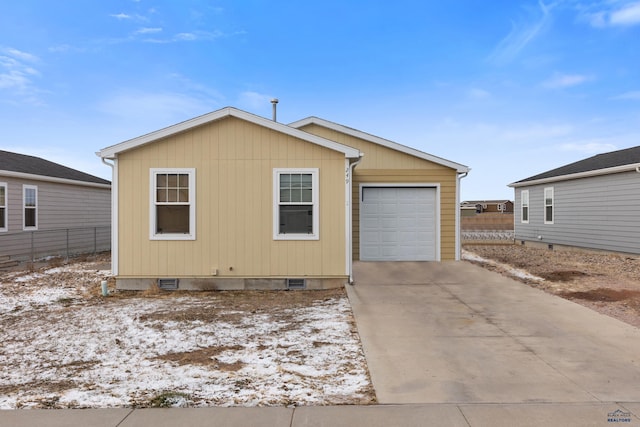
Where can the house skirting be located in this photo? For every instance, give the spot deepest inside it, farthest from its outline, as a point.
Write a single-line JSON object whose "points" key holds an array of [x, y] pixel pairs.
{"points": [[569, 248], [231, 284]]}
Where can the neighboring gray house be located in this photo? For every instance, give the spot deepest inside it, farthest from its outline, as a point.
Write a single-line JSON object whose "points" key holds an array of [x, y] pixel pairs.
{"points": [[593, 203], [50, 209]]}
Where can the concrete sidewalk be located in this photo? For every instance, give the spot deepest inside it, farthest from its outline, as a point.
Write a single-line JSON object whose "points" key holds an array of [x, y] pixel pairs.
{"points": [[463, 415]]}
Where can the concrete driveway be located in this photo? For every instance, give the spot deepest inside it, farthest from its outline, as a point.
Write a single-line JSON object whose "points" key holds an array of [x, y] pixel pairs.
{"points": [[453, 332]]}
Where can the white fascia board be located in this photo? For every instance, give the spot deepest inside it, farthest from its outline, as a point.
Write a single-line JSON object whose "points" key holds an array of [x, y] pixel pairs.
{"points": [[587, 174], [22, 175], [112, 151], [380, 141]]}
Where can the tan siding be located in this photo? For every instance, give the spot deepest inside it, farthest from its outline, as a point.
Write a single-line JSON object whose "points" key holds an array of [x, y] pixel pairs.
{"points": [[445, 177], [234, 162], [384, 165]]}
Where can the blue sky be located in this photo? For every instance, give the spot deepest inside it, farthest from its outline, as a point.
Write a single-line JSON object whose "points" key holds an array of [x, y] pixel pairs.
{"points": [[510, 88]]}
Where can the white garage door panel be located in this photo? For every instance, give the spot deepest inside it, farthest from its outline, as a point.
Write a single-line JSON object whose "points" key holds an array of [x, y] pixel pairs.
{"points": [[398, 224]]}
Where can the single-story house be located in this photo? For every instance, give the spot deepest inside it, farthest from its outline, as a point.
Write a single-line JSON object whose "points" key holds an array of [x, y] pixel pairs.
{"points": [[50, 209], [587, 204], [231, 200]]}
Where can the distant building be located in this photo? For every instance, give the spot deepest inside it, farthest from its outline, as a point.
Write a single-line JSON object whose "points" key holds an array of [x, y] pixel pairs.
{"points": [[488, 206]]}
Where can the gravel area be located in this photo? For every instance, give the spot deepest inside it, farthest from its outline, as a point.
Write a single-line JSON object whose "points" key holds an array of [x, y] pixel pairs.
{"points": [[605, 282]]}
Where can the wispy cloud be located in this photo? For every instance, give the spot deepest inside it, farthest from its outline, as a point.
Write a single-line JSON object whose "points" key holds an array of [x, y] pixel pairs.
{"points": [[254, 100], [611, 14], [536, 132], [588, 147], [477, 93], [192, 36], [147, 30], [521, 34], [629, 15], [560, 81], [17, 75], [121, 16], [162, 107], [633, 95]]}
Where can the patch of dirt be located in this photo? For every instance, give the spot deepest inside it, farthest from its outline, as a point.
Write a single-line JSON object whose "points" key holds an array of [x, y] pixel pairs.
{"points": [[608, 283], [203, 357]]}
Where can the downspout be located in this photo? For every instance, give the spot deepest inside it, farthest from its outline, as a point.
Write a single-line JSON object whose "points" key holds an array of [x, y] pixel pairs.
{"points": [[114, 213], [458, 239], [349, 200]]}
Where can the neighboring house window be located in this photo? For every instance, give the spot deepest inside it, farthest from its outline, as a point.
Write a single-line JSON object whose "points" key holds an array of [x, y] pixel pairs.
{"points": [[524, 203], [173, 204], [30, 201], [548, 205], [295, 204], [3, 206]]}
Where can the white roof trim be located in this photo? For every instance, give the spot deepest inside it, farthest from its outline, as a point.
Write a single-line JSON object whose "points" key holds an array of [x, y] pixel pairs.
{"points": [[34, 177], [112, 151], [587, 174], [380, 141]]}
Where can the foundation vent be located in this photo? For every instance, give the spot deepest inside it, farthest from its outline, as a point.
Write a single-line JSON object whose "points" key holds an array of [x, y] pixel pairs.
{"points": [[293, 284], [168, 284]]}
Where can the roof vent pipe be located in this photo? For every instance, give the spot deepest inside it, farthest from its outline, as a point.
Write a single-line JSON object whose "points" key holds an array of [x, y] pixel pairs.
{"points": [[274, 101]]}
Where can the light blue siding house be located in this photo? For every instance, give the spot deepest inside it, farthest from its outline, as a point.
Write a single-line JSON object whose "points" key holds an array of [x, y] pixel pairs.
{"points": [[593, 203]]}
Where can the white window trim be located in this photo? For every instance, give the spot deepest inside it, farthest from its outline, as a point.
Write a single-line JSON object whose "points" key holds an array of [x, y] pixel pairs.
{"points": [[522, 206], [5, 227], [26, 187], [553, 205], [152, 204], [315, 192]]}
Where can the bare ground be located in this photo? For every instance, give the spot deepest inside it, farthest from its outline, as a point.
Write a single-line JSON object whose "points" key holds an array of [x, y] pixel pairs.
{"points": [[605, 282]]}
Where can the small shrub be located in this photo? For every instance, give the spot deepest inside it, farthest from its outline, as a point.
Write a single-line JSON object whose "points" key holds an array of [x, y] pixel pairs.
{"points": [[169, 399]]}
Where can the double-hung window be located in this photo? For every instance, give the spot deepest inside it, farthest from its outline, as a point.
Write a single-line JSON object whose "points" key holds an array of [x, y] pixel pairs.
{"points": [[524, 206], [3, 206], [295, 195], [30, 207], [548, 205], [172, 213]]}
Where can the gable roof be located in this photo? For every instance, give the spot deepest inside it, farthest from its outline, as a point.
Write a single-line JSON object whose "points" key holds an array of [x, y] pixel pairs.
{"points": [[24, 166], [112, 151], [600, 164], [380, 141]]}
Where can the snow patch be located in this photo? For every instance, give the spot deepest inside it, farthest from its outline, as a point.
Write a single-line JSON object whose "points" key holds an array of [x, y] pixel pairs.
{"points": [[512, 271]]}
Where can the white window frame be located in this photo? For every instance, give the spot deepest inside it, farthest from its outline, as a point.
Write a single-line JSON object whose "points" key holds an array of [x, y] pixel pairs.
{"points": [[523, 205], [26, 187], [153, 172], [315, 202], [552, 205], [5, 206]]}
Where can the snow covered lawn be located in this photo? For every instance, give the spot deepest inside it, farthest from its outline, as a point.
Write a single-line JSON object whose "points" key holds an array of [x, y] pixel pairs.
{"points": [[64, 345]]}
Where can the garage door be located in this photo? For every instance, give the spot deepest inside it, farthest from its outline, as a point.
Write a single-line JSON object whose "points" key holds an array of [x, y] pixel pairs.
{"points": [[398, 224]]}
